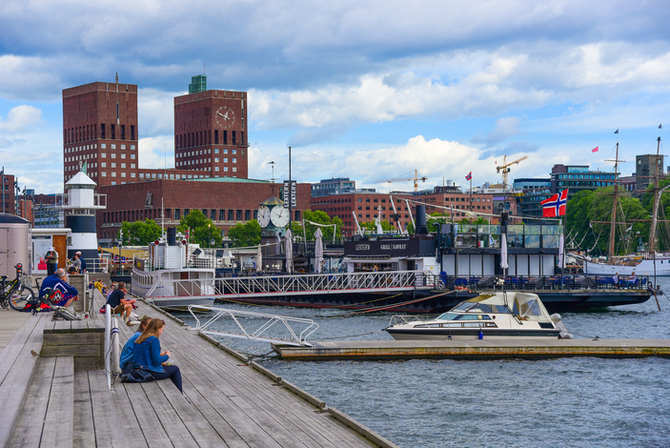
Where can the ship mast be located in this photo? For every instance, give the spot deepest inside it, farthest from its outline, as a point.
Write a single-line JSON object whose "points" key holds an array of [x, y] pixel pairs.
{"points": [[654, 216], [616, 190]]}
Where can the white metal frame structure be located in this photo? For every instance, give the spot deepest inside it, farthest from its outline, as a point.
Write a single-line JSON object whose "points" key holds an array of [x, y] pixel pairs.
{"points": [[295, 338], [295, 285]]}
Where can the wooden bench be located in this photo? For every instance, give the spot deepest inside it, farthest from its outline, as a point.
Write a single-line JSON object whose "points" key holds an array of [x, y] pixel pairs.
{"points": [[48, 415], [17, 366]]}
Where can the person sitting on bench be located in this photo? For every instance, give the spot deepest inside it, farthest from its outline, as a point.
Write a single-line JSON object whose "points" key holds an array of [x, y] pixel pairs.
{"points": [[58, 282], [120, 305]]}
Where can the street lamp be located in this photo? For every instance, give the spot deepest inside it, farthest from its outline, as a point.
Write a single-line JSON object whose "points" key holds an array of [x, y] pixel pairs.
{"points": [[209, 227]]}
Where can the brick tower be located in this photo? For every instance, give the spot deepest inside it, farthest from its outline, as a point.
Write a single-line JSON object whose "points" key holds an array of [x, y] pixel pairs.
{"points": [[211, 131], [100, 129]]}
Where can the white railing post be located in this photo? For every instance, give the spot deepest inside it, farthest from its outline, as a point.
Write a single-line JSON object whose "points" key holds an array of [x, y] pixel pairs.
{"points": [[108, 345]]}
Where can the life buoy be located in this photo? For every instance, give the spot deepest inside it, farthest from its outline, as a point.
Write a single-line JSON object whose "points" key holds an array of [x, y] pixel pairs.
{"points": [[116, 355]]}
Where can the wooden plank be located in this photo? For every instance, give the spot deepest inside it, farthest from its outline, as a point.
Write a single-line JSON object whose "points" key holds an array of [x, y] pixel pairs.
{"points": [[30, 423], [479, 349], [18, 364], [83, 427], [70, 350], [112, 427], [89, 363], [274, 400], [145, 413], [297, 417], [73, 338], [58, 425], [202, 431], [286, 430], [170, 421]]}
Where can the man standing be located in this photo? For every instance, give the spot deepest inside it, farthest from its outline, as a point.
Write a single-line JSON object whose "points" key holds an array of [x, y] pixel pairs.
{"points": [[58, 281], [82, 263], [51, 258]]}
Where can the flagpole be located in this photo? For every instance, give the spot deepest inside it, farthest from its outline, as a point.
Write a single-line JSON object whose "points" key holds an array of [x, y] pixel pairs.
{"points": [[471, 208]]}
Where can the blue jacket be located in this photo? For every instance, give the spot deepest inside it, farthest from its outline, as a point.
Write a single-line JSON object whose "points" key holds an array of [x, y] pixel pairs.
{"points": [[148, 354], [54, 282], [129, 349]]}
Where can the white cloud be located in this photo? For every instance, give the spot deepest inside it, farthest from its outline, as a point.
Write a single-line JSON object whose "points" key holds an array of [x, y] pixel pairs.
{"points": [[20, 118], [156, 152]]}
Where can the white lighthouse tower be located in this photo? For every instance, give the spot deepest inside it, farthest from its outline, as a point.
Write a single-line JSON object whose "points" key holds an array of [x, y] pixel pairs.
{"points": [[80, 208]]}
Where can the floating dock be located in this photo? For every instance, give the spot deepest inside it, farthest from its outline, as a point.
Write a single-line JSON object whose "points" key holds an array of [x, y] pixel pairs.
{"points": [[477, 349], [54, 394]]}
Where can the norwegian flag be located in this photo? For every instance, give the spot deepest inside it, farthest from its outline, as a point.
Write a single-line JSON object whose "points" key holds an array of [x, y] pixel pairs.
{"points": [[469, 176], [555, 205]]}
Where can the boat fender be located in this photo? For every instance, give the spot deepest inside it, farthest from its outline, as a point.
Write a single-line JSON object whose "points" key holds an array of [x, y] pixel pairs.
{"points": [[558, 323], [116, 355], [481, 334]]}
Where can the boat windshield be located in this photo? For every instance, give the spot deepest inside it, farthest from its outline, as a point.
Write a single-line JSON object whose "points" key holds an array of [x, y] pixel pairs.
{"points": [[528, 308], [474, 307]]}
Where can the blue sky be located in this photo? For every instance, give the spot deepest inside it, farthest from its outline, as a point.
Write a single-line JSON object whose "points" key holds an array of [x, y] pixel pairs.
{"points": [[369, 90]]}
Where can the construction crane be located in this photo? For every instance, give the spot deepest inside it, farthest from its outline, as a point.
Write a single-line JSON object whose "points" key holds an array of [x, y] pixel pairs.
{"points": [[505, 168], [415, 179]]}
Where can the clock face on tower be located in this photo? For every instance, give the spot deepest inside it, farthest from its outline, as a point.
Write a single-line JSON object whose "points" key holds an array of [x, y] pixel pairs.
{"points": [[263, 216], [279, 216], [225, 117]]}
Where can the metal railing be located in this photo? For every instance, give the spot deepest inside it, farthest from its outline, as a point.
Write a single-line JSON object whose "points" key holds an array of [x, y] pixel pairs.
{"points": [[297, 337], [355, 282]]}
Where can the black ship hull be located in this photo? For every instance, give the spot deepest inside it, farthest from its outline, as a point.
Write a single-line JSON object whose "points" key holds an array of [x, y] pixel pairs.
{"points": [[439, 301]]}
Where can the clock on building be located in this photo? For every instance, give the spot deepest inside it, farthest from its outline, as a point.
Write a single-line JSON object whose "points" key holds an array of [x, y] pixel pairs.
{"points": [[263, 216], [279, 216], [225, 117]]}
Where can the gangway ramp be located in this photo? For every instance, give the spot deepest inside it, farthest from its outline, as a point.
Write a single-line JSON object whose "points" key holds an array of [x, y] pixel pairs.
{"points": [[297, 328], [226, 288]]}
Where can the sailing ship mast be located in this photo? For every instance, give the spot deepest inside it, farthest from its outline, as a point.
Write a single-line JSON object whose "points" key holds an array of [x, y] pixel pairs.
{"points": [[616, 190], [654, 216]]}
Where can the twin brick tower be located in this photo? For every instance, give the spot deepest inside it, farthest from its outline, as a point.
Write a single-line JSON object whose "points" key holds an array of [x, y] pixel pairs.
{"points": [[100, 129]]}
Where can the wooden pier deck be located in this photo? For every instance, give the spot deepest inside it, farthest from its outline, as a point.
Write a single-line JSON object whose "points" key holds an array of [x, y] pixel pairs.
{"points": [[228, 401], [477, 349]]}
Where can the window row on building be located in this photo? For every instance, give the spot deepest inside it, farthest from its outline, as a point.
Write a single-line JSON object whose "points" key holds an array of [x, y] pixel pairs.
{"points": [[93, 131], [205, 138]]}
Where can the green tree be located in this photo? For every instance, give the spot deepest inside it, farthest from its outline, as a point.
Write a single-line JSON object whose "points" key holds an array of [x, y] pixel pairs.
{"points": [[140, 233], [662, 228], [319, 217], [588, 218], [387, 226], [201, 229], [247, 234]]}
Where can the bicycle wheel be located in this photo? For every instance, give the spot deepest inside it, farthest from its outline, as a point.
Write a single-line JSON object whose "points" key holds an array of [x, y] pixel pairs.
{"points": [[18, 297]]}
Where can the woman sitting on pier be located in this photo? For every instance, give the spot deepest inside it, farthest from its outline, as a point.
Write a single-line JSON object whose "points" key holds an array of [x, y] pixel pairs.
{"points": [[148, 354]]}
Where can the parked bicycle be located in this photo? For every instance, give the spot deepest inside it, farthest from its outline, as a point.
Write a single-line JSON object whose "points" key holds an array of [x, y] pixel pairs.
{"points": [[48, 299], [16, 293]]}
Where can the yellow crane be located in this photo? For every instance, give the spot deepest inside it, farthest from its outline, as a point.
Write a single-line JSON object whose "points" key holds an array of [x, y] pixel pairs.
{"points": [[415, 179], [505, 168]]}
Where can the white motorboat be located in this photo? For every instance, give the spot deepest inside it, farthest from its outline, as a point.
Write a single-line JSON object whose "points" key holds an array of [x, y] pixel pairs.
{"points": [[489, 315], [172, 277]]}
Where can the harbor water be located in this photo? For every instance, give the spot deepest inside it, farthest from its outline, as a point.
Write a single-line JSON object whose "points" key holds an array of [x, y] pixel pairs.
{"points": [[575, 402]]}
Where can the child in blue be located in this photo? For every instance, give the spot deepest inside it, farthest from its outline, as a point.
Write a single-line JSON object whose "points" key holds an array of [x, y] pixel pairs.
{"points": [[148, 354]]}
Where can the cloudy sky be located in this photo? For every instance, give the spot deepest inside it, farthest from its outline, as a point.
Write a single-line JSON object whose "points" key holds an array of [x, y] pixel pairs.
{"points": [[369, 90]]}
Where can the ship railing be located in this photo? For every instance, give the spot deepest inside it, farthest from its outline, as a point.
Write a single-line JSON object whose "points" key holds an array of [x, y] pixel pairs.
{"points": [[178, 262], [297, 284], [255, 326], [400, 319], [554, 282]]}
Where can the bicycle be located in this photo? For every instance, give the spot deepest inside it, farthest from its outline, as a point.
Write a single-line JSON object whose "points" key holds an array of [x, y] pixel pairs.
{"points": [[49, 298], [16, 293]]}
